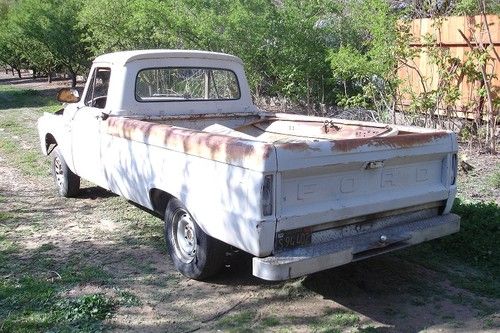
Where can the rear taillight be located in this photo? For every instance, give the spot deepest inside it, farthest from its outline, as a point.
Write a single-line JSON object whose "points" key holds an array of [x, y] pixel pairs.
{"points": [[454, 166], [267, 196]]}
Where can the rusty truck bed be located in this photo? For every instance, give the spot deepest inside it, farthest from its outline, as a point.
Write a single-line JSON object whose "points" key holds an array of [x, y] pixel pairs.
{"points": [[249, 139]]}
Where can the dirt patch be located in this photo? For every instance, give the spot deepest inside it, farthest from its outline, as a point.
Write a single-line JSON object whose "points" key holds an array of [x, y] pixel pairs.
{"points": [[477, 183]]}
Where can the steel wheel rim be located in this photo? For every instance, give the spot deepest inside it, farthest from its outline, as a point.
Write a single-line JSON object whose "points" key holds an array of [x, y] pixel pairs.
{"points": [[184, 234], [59, 172]]}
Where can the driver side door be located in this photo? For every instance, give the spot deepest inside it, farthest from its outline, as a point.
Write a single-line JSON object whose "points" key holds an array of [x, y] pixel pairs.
{"points": [[86, 128]]}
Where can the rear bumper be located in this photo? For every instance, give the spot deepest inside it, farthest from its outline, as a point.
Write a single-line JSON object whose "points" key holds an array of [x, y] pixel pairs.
{"points": [[314, 258]]}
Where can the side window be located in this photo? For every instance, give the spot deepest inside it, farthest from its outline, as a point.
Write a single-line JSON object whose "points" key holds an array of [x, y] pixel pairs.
{"points": [[97, 92]]}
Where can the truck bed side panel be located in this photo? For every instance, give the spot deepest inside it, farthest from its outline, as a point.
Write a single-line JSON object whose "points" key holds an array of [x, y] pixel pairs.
{"points": [[223, 198]]}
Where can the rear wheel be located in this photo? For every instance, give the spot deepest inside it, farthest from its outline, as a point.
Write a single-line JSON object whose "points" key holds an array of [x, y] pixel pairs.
{"points": [[194, 253], [68, 183]]}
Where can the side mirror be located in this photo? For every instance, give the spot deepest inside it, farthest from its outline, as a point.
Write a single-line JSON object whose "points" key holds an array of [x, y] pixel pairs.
{"points": [[68, 95]]}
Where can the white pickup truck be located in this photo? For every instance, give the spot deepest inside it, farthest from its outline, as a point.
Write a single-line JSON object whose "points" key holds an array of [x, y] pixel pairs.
{"points": [[177, 132]]}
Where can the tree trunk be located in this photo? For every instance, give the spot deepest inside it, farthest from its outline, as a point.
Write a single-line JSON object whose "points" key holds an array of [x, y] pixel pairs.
{"points": [[49, 77], [33, 73], [19, 73], [73, 79]]}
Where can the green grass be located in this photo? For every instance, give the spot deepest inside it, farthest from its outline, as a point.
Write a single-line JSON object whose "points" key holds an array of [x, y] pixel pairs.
{"points": [[495, 178], [126, 298], [270, 321], [12, 97], [470, 258], [19, 142], [36, 306], [4, 216], [33, 303], [33, 290], [19, 110], [335, 320], [239, 322]]}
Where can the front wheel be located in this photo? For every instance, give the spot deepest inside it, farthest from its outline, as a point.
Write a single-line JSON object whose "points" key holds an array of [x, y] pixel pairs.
{"points": [[68, 183], [194, 253]]}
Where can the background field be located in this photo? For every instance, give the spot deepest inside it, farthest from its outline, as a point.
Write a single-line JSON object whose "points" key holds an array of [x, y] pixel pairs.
{"points": [[98, 263]]}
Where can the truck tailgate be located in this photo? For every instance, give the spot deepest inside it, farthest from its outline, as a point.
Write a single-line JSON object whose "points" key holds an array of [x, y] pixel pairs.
{"points": [[335, 181]]}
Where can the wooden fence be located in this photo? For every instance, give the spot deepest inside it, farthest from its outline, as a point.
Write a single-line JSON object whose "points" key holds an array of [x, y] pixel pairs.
{"points": [[420, 73]]}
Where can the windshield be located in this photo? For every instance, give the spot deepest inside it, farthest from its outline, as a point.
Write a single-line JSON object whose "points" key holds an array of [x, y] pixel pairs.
{"points": [[186, 84]]}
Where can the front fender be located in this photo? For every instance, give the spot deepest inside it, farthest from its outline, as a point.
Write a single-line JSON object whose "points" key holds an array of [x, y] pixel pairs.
{"points": [[49, 125], [54, 129]]}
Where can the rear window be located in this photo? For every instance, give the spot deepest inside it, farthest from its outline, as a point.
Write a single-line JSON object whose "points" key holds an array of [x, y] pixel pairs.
{"points": [[186, 84]]}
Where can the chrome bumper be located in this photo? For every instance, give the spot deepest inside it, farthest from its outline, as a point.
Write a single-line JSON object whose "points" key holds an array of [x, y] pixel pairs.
{"points": [[314, 258]]}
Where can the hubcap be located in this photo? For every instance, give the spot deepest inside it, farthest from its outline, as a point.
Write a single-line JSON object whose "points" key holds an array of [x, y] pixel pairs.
{"points": [[184, 235], [58, 172]]}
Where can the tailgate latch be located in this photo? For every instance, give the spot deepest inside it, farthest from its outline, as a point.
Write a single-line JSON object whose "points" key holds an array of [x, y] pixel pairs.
{"points": [[374, 165]]}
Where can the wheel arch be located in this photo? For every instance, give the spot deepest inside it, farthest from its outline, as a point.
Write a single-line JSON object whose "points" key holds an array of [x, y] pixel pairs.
{"points": [[159, 200], [50, 143]]}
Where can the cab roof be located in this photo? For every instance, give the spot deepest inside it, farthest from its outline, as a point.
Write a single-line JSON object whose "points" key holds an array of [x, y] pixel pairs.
{"points": [[123, 57]]}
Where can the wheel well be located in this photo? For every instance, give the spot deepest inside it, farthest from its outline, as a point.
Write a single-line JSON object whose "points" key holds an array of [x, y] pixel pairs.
{"points": [[50, 143], [159, 200]]}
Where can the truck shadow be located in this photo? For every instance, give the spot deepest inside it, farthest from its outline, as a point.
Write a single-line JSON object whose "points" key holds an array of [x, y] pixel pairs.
{"points": [[95, 192], [399, 295]]}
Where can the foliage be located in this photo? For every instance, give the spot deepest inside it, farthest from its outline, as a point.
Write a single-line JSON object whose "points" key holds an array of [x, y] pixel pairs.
{"points": [[433, 8], [93, 306], [115, 25], [437, 98], [43, 35], [315, 53], [283, 50], [363, 63]]}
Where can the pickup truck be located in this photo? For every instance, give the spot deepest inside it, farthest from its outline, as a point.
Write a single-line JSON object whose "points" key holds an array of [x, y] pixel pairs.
{"points": [[176, 132]]}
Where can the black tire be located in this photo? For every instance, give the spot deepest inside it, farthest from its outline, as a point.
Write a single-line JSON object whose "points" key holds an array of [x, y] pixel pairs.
{"points": [[67, 183], [194, 253]]}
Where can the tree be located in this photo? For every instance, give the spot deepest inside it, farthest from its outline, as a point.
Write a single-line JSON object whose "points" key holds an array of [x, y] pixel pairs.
{"points": [[363, 61], [51, 32], [11, 52], [116, 25]]}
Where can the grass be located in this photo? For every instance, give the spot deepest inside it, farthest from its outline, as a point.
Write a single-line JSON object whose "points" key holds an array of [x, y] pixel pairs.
{"points": [[19, 142], [335, 320], [239, 322], [32, 292], [12, 97], [495, 178], [470, 258], [19, 109], [4, 216]]}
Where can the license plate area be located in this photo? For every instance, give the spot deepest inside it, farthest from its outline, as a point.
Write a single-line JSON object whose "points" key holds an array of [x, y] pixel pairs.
{"points": [[292, 238]]}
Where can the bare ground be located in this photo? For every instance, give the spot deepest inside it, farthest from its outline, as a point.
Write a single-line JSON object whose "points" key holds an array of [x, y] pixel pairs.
{"points": [[99, 230]]}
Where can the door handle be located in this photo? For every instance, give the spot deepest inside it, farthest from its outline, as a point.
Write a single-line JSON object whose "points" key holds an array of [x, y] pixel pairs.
{"points": [[103, 116], [374, 165]]}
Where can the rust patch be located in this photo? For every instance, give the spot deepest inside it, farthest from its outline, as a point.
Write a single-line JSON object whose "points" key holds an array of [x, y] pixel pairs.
{"points": [[298, 146], [218, 147], [295, 146], [398, 141]]}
